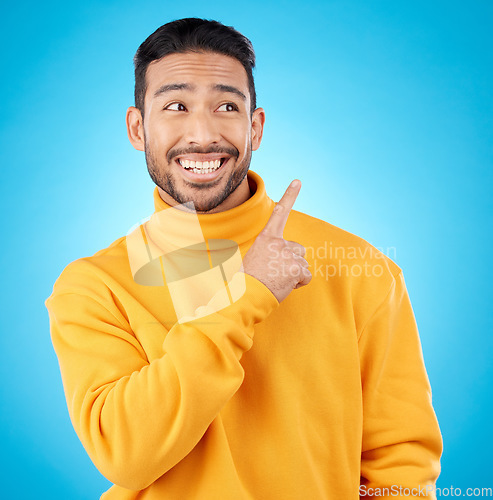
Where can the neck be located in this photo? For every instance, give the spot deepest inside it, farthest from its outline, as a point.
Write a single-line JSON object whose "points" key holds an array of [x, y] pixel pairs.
{"points": [[242, 223]]}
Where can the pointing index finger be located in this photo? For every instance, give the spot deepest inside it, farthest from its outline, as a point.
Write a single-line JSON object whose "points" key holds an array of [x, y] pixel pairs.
{"points": [[277, 221]]}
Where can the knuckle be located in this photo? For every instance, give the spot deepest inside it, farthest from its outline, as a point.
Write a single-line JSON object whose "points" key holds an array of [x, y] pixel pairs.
{"points": [[296, 269], [278, 209], [286, 252], [298, 248]]}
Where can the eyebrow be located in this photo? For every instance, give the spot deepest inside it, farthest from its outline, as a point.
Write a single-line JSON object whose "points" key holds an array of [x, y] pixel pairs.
{"points": [[229, 88], [169, 87]]}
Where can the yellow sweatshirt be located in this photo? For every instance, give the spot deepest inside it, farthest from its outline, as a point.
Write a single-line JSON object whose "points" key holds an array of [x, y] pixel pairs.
{"points": [[322, 396]]}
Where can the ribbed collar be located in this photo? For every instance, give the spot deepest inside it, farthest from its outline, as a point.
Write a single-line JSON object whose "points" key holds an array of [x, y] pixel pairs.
{"points": [[240, 224]]}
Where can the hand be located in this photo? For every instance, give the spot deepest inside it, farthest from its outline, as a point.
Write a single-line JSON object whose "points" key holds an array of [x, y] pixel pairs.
{"points": [[276, 262]]}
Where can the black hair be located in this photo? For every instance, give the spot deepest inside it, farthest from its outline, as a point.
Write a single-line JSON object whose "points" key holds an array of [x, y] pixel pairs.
{"points": [[193, 35]]}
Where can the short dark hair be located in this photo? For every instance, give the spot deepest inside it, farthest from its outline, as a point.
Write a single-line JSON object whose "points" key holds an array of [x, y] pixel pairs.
{"points": [[193, 35]]}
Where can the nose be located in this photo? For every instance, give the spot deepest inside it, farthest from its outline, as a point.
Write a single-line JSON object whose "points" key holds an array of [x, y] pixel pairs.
{"points": [[201, 129]]}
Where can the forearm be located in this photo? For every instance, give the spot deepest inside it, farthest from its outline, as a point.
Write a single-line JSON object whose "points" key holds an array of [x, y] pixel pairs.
{"points": [[401, 438], [138, 419]]}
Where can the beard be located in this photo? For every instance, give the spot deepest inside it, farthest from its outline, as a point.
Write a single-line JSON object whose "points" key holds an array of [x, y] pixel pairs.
{"points": [[202, 195]]}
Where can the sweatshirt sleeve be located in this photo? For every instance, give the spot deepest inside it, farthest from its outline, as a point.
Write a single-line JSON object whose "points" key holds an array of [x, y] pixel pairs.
{"points": [[137, 419], [402, 443]]}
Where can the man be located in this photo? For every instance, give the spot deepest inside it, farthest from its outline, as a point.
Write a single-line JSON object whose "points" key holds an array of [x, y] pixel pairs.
{"points": [[273, 382]]}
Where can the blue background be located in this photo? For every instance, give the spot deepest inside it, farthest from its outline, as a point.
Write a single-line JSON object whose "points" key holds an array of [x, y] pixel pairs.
{"points": [[383, 109]]}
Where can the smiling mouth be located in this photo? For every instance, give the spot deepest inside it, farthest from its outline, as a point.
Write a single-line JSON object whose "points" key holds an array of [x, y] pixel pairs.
{"points": [[201, 167]]}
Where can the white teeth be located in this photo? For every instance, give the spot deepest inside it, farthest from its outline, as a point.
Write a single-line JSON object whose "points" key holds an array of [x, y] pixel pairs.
{"points": [[200, 167]]}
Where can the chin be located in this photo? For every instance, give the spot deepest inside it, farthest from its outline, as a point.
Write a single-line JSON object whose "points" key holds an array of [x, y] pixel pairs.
{"points": [[206, 194]]}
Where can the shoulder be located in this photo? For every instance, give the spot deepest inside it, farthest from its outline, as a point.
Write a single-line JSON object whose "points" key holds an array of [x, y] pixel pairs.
{"points": [[94, 274], [344, 265]]}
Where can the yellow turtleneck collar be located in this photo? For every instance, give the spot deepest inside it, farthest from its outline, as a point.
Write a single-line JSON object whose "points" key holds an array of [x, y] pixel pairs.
{"points": [[240, 224]]}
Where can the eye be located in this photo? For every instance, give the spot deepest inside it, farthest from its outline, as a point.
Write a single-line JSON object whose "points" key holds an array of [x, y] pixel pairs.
{"points": [[175, 106], [229, 106]]}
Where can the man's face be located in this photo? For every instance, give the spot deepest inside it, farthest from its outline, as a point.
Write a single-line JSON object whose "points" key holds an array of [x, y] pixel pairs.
{"points": [[197, 130]]}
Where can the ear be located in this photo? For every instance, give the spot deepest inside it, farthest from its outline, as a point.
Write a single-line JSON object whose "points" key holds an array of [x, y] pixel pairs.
{"points": [[135, 128], [258, 120]]}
